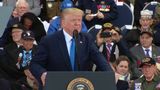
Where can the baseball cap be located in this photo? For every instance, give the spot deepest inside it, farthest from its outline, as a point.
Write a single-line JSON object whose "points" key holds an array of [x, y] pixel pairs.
{"points": [[108, 26], [28, 35], [147, 32], [18, 26], [146, 13], [147, 61]]}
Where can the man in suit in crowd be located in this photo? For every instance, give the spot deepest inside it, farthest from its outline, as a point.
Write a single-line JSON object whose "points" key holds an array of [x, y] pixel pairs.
{"points": [[34, 5], [54, 52], [145, 49], [111, 43]]}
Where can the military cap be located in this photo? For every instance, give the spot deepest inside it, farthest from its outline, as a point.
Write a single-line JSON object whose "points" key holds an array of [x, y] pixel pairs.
{"points": [[147, 61]]}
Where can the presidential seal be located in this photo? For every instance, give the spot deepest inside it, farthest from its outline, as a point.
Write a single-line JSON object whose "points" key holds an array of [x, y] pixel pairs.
{"points": [[80, 84]]}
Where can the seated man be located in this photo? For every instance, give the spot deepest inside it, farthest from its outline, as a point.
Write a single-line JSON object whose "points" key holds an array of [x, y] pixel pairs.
{"points": [[145, 49], [26, 53], [145, 21], [149, 79]]}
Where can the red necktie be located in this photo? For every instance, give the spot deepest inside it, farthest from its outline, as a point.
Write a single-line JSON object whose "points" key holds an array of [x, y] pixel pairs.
{"points": [[108, 49]]}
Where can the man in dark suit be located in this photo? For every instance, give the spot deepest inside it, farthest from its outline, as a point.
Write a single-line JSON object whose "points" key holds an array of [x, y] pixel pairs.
{"points": [[54, 53], [111, 43]]}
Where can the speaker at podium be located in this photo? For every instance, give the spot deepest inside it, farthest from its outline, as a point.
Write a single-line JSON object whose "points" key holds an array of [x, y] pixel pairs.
{"points": [[80, 81]]}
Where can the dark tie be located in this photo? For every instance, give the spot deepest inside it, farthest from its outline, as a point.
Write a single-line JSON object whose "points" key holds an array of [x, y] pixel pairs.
{"points": [[72, 53], [109, 46], [147, 52], [108, 51]]}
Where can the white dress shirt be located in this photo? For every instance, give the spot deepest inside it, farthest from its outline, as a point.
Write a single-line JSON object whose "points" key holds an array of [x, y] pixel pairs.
{"points": [[68, 40], [150, 51]]}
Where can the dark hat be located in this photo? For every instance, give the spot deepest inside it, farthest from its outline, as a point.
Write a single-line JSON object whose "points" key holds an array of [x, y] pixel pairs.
{"points": [[18, 26], [108, 26], [147, 61], [147, 32], [28, 35]]}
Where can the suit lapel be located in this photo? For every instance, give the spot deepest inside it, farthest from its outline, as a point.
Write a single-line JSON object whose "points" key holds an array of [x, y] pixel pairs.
{"points": [[142, 51], [155, 51], [79, 48], [63, 50]]}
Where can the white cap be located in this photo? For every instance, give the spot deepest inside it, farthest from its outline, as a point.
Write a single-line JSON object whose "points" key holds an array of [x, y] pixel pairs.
{"points": [[146, 13], [98, 26]]}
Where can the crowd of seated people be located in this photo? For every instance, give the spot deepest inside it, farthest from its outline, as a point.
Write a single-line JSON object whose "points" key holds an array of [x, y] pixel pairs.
{"points": [[133, 57]]}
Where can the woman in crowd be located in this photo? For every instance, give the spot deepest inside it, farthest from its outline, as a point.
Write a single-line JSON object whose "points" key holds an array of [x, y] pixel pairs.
{"points": [[122, 73], [31, 22]]}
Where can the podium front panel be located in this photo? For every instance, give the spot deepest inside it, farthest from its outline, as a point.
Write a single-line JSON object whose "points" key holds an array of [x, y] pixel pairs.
{"points": [[80, 81]]}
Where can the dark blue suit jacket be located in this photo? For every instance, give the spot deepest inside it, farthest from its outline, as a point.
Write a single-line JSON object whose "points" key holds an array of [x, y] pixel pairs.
{"points": [[52, 55]]}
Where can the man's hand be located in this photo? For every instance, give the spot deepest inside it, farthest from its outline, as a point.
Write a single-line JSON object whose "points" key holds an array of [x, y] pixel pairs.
{"points": [[115, 36], [99, 40], [43, 78], [29, 74], [100, 15], [89, 17]]}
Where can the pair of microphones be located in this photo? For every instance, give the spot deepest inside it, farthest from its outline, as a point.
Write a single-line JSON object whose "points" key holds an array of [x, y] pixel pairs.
{"points": [[75, 34]]}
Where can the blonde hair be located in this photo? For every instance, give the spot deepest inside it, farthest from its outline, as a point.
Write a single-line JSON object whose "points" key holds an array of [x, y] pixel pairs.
{"points": [[74, 11]]}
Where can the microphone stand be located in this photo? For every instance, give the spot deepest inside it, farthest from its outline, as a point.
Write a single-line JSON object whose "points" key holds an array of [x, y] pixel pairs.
{"points": [[75, 36]]}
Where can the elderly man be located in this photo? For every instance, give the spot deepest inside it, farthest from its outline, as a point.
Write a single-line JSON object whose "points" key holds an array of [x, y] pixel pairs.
{"points": [[34, 5], [149, 80], [146, 21], [145, 49], [21, 8], [9, 60]]}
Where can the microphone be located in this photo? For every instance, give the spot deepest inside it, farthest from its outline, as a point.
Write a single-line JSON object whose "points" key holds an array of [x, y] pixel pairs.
{"points": [[75, 36]]}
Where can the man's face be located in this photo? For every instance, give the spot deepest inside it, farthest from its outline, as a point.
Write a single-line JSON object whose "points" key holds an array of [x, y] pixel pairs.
{"points": [[28, 23], [22, 8], [28, 44], [145, 23], [16, 34], [148, 70], [146, 40], [72, 22]]}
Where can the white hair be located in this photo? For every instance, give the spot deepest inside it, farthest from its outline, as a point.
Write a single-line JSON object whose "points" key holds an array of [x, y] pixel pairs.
{"points": [[22, 2]]}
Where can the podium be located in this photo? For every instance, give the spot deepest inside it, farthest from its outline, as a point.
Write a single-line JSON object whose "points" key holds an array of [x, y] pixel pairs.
{"points": [[80, 81]]}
